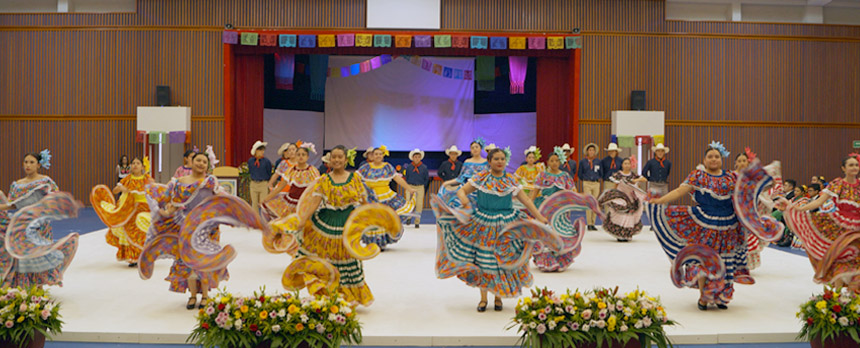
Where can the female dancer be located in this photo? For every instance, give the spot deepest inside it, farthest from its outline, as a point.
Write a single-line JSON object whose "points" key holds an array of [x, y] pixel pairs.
{"points": [[487, 245], [123, 168], [29, 256], [528, 172], [377, 175], [185, 168], [121, 217], [706, 242], [185, 216], [624, 203], [332, 216], [287, 151], [297, 178], [831, 239]]}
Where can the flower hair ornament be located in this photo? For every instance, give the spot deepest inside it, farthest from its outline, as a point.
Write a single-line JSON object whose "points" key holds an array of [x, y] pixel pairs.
{"points": [[535, 150], [558, 151], [196, 149], [211, 154], [855, 156], [350, 156], [299, 143], [480, 141], [716, 145], [310, 146], [749, 153], [384, 150], [46, 159], [146, 165], [633, 161], [507, 152]]}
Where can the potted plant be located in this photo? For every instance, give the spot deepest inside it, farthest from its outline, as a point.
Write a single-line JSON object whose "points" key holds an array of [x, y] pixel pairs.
{"points": [[831, 319], [596, 318], [281, 320], [27, 317], [243, 189]]}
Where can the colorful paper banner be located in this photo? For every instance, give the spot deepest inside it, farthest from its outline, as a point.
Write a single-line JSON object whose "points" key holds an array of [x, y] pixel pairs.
{"points": [[177, 137], [439, 69], [307, 41], [287, 40], [403, 41], [268, 39], [460, 41], [230, 37], [361, 67], [498, 43], [364, 40], [157, 137], [345, 40], [326, 41], [381, 40], [442, 41], [479, 42], [249, 39], [423, 41], [517, 43]]}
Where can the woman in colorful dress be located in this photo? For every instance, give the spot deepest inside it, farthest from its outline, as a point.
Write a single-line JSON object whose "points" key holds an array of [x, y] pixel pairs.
{"points": [[333, 214], [487, 245], [297, 178], [185, 218], [287, 160], [756, 245], [548, 183], [121, 216], [123, 168], [29, 256], [706, 242], [471, 166], [528, 172], [377, 175], [185, 168], [831, 238], [623, 204]]}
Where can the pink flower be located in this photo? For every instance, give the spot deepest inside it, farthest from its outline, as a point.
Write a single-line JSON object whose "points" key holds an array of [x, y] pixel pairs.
{"points": [[574, 326], [542, 316], [603, 314], [541, 329], [563, 329], [9, 324], [45, 314], [210, 310], [586, 314], [23, 308]]}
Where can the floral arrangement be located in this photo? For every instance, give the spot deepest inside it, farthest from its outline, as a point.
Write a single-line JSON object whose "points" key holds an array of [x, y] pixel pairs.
{"points": [[23, 312], [834, 312], [601, 316], [282, 320]]}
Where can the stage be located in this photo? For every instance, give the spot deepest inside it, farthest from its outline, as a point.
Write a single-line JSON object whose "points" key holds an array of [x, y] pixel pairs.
{"points": [[105, 301]]}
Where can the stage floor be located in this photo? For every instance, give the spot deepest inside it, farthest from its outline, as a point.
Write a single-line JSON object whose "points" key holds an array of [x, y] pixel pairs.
{"points": [[105, 301]]}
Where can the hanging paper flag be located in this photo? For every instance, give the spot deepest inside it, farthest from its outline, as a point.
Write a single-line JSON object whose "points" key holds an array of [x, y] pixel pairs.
{"points": [[177, 137], [307, 41], [448, 72], [345, 40], [403, 41], [384, 59], [375, 63], [537, 43], [140, 136], [426, 64], [479, 42], [361, 67], [518, 67], [572, 42], [555, 42], [157, 137], [364, 40], [230, 37], [365, 66], [326, 41], [249, 39], [381, 40], [460, 41], [498, 43], [458, 74], [643, 140], [268, 39], [613, 139], [442, 41], [415, 60], [485, 73], [423, 41], [188, 137], [467, 75], [285, 67], [354, 69], [517, 43], [287, 40], [318, 73], [626, 141], [660, 139], [437, 69]]}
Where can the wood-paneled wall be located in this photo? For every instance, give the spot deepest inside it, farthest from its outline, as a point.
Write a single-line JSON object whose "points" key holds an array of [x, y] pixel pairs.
{"points": [[71, 82]]}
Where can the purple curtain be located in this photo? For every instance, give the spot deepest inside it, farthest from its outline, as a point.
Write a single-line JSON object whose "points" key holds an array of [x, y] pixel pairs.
{"points": [[518, 65], [285, 69]]}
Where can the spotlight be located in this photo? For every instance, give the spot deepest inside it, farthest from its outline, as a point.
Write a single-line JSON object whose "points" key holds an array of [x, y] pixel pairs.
{"points": [[230, 26], [575, 30]]}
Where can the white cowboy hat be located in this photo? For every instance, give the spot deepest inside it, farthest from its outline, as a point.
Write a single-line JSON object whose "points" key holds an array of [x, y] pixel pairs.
{"points": [[530, 149], [612, 147], [257, 145], [566, 147], [327, 157], [368, 151], [490, 147], [418, 152], [660, 147], [596, 148], [283, 148], [453, 148]]}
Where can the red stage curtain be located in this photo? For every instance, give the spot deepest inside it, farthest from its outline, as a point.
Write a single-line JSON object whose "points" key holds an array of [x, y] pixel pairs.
{"points": [[553, 104], [250, 98]]}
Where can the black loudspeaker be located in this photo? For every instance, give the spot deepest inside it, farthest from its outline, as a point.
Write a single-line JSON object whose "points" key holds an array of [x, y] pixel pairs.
{"points": [[162, 95], [637, 100]]}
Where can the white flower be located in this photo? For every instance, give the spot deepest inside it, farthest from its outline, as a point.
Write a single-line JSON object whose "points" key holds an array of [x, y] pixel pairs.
{"points": [[304, 318], [282, 313], [601, 324], [628, 312], [238, 324], [258, 304], [276, 328], [563, 329], [843, 321], [638, 324], [623, 328], [602, 314], [542, 317], [646, 322], [532, 325], [541, 329], [586, 314], [586, 327], [534, 313], [551, 324], [559, 310], [320, 328]]}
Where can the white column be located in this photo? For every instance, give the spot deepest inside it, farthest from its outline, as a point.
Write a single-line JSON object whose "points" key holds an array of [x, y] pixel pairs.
{"points": [[736, 12]]}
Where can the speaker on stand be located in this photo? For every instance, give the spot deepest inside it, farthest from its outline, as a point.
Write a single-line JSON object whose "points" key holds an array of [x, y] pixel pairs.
{"points": [[637, 100], [162, 95]]}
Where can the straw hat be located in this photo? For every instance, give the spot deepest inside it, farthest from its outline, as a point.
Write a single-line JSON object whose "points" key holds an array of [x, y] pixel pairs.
{"points": [[257, 145], [530, 149], [612, 147], [413, 152], [368, 151], [566, 147], [451, 149], [592, 145], [660, 147], [327, 157], [283, 148]]}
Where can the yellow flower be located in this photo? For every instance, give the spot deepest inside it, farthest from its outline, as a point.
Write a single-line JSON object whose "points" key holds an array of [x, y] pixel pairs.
{"points": [[312, 326], [20, 319], [611, 321], [334, 309], [527, 300], [564, 297], [577, 295], [300, 327], [832, 321], [821, 304], [611, 328], [292, 309], [644, 311], [263, 315], [601, 305], [237, 314], [224, 300]]}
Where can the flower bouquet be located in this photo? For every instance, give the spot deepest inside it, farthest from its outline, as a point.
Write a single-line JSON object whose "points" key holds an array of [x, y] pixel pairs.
{"points": [[27, 316], [599, 318], [282, 320], [831, 319]]}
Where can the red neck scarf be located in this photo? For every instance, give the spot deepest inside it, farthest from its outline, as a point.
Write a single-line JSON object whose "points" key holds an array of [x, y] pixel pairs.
{"points": [[415, 167], [256, 161], [591, 163], [612, 166], [453, 164], [661, 161]]}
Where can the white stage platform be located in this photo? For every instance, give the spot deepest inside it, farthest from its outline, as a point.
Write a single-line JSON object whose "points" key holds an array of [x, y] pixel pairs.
{"points": [[105, 301]]}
